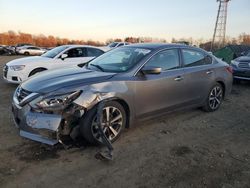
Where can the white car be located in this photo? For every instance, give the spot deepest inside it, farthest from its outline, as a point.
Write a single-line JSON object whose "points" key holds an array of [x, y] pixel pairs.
{"points": [[117, 44], [19, 70], [114, 45], [30, 50]]}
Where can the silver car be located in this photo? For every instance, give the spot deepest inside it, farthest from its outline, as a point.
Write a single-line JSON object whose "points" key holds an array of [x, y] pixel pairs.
{"points": [[134, 82]]}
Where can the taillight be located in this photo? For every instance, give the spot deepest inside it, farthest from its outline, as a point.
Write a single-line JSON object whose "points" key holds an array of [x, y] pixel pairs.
{"points": [[230, 69]]}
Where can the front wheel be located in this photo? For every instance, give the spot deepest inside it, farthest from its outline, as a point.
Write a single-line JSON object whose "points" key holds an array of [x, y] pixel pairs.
{"points": [[214, 98], [113, 122]]}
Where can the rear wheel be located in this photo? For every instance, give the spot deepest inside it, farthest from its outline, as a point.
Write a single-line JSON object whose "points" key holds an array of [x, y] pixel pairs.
{"points": [[26, 53], [113, 122], [214, 98]]}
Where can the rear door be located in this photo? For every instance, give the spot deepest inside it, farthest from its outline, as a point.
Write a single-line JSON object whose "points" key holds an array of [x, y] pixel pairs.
{"points": [[164, 91], [199, 74]]}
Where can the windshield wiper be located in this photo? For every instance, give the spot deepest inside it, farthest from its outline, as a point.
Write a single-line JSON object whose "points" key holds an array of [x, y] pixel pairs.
{"points": [[97, 66]]}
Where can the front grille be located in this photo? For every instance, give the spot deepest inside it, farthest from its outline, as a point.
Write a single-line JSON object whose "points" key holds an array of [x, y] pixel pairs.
{"points": [[5, 71], [244, 65], [22, 93]]}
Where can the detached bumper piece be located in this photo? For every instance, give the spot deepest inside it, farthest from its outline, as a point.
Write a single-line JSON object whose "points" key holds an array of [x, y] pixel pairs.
{"points": [[38, 138]]}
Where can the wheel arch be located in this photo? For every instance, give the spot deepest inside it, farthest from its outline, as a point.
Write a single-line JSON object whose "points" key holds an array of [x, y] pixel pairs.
{"points": [[38, 68], [223, 86], [126, 108]]}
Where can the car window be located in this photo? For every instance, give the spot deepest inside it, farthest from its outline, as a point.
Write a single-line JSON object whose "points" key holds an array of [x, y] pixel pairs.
{"points": [[93, 52], [112, 45], [33, 48], [119, 59], [167, 60], [76, 52], [54, 52], [121, 44], [193, 58]]}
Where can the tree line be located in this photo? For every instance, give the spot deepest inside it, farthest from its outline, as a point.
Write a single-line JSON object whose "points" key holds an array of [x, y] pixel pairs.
{"points": [[13, 38]]}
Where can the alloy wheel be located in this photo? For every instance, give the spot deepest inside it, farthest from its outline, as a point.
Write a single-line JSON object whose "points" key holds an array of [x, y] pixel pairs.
{"points": [[215, 97], [112, 121]]}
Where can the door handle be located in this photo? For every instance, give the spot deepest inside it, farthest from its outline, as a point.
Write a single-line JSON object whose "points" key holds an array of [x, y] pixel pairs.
{"points": [[209, 72], [179, 78]]}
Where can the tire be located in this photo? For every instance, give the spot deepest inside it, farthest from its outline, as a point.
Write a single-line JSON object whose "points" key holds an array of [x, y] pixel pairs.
{"points": [[26, 53], [35, 71], [236, 81], [89, 129], [214, 98]]}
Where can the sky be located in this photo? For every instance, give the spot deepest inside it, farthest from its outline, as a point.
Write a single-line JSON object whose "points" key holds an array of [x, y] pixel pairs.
{"points": [[104, 19]]}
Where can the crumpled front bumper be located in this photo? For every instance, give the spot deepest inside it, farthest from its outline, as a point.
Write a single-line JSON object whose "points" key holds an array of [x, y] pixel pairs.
{"points": [[36, 126]]}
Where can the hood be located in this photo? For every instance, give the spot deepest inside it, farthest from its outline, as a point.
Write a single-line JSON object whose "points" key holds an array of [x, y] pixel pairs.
{"points": [[25, 60], [243, 59], [49, 81]]}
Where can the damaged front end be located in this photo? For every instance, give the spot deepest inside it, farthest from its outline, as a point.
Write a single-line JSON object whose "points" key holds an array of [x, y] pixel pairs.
{"points": [[47, 118]]}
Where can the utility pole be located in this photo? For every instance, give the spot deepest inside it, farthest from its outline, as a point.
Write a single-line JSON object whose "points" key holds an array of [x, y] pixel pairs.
{"points": [[220, 25]]}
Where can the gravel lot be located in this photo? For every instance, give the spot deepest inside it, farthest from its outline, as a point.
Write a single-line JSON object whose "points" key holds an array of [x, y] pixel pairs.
{"points": [[185, 149]]}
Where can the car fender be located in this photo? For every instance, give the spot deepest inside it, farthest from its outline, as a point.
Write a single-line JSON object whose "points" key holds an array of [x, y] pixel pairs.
{"points": [[117, 90]]}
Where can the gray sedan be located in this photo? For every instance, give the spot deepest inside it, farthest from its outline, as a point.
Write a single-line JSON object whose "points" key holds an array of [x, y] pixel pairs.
{"points": [[134, 82]]}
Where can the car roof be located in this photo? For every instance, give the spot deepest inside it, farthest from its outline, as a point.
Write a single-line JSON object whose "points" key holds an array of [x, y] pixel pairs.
{"points": [[78, 45], [154, 46], [23, 47], [159, 46]]}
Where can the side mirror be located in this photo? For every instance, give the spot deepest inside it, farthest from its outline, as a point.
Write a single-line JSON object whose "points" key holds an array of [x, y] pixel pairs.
{"points": [[64, 56], [151, 70]]}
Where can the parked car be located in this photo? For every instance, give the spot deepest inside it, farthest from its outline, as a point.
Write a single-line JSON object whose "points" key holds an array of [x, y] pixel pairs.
{"points": [[6, 50], [114, 45], [135, 82], [18, 70], [20, 45], [241, 67], [30, 50], [117, 44]]}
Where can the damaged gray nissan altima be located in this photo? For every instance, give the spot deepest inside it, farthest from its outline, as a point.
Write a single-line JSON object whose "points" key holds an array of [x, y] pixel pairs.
{"points": [[136, 82]]}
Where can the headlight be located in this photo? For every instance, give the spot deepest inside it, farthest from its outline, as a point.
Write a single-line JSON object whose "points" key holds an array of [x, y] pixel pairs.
{"points": [[234, 62], [58, 102], [17, 67]]}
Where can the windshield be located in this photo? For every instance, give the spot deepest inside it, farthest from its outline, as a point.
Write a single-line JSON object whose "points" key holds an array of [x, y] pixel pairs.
{"points": [[119, 60], [54, 52], [112, 45]]}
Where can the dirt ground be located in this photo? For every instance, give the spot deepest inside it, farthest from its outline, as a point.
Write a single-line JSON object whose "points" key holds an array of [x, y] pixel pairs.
{"points": [[185, 149]]}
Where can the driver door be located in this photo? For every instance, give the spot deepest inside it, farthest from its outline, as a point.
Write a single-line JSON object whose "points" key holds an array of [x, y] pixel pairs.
{"points": [[75, 56], [164, 91]]}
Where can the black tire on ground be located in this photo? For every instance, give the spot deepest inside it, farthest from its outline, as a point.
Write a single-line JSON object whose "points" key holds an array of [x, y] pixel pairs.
{"points": [[36, 71], [86, 123], [26, 53], [217, 93], [236, 81]]}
